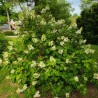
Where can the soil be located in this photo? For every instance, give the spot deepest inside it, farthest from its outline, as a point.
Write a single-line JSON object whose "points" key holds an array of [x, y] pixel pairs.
{"points": [[92, 92]]}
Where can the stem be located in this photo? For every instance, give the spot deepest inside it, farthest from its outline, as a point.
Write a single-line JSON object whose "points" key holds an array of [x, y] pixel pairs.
{"points": [[40, 51]]}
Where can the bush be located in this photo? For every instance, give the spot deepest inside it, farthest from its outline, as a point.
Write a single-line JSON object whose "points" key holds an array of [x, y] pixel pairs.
{"points": [[88, 20], [52, 57]]}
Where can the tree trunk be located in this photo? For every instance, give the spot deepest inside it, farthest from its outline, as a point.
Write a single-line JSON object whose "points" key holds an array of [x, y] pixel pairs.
{"points": [[8, 18], [36, 2]]}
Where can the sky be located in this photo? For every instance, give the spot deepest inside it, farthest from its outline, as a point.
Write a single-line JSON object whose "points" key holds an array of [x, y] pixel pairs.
{"points": [[75, 5]]}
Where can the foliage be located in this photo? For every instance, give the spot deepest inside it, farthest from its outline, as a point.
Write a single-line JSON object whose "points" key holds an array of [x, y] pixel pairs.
{"points": [[8, 33], [52, 57], [96, 52], [3, 20], [85, 4], [60, 9], [6, 12], [3, 43], [88, 21]]}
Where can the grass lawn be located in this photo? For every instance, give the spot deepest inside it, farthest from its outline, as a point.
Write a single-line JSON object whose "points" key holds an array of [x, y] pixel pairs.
{"points": [[8, 89]]}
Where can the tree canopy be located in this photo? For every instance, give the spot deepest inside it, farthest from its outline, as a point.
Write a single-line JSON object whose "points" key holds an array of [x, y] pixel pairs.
{"points": [[60, 9], [88, 20], [6, 10]]}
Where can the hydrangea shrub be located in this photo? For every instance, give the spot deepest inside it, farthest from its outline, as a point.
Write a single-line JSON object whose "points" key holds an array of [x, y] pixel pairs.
{"points": [[51, 57]]}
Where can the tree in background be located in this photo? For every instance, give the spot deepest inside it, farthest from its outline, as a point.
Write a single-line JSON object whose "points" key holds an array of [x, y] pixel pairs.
{"points": [[85, 4], [88, 20], [6, 12], [60, 9]]}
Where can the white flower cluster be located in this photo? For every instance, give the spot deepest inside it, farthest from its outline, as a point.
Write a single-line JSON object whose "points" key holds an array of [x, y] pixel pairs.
{"points": [[88, 50], [96, 64], [33, 35], [50, 43], [12, 71], [10, 43], [33, 64], [16, 32], [52, 21], [61, 43], [37, 94], [20, 59], [62, 37], [32, 14], [8, 77], [76, 78], [58, 38], [38, 16], [65, 39], [52, 59], [95, 76], [46, 8], [81, 41], [41, 64], [68, 61], [21, 90], [59, 22], [53, 48], [65, 68], [79, 31], [36, 75], [43, 22], [15, 62], [30, 47], [85, 78], [6, 62], [43, 38], [35, 40], [34, 83], [67, 95], [54, 31], [60, 51], [26, 51], [5, 55], [10, 48]]}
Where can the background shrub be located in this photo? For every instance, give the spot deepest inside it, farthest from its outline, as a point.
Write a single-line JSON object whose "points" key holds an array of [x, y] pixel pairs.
{"points": [[88, 20], [9, 33]]}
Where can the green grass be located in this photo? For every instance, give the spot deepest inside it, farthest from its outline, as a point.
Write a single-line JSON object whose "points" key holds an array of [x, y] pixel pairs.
{"points": [[7, 88]]}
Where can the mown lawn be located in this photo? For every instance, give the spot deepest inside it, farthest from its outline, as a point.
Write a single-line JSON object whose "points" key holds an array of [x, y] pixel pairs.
{"points": [[8, 89]]}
